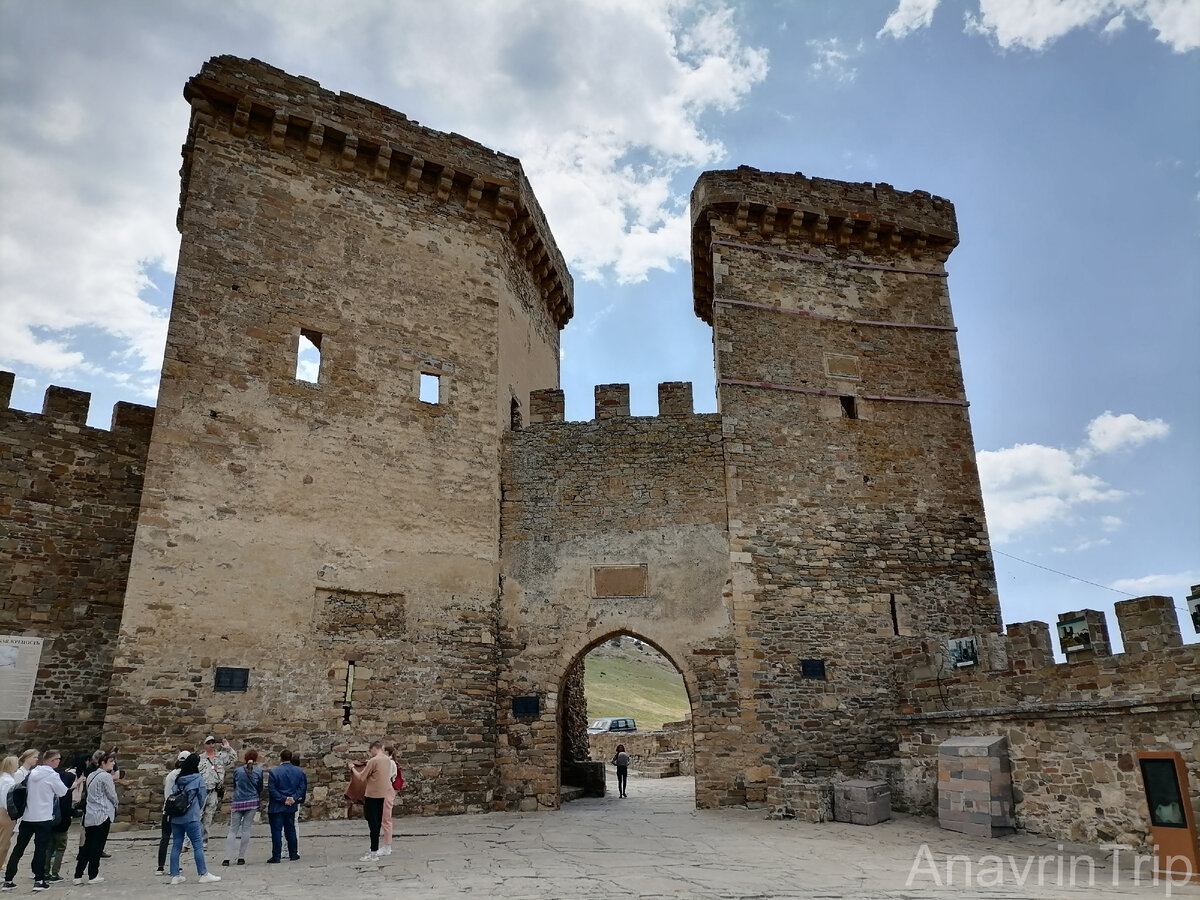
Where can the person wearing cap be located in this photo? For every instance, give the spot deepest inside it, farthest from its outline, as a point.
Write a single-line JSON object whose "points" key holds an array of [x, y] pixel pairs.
{"points": [[164, 840], [213, 763]]}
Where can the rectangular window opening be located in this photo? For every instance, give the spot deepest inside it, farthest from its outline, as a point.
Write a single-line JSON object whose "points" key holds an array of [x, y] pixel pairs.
{"points": [[849, 407], [515, 414], [431, 388], [308, 356]]}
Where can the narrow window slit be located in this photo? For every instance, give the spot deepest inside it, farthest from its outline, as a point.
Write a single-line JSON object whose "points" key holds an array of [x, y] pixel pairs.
{"points": [[308, 356]]}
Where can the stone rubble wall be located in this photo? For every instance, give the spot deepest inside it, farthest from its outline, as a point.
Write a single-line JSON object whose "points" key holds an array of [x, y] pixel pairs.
{"points": [[1073, 728], [69, 497]]}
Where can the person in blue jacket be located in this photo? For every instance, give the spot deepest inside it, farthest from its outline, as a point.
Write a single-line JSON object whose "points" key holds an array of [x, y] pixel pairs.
{"points": [[191, 782], [287, 786]]}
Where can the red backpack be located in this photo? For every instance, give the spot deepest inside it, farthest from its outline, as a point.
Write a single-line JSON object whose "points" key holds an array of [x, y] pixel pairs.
{"points": [[398, 781]]}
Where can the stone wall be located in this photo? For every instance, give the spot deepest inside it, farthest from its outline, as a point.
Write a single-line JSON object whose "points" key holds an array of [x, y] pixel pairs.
{"points": [[303, 526], [855, 513], [617, 526], [69, 498], [1073, 728]]}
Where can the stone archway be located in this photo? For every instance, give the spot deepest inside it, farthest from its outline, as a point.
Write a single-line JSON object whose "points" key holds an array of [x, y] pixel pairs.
{"points": [[580, 771]]}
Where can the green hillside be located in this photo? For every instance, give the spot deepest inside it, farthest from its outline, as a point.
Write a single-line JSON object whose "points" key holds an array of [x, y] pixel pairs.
{"points": [[624, 684]]}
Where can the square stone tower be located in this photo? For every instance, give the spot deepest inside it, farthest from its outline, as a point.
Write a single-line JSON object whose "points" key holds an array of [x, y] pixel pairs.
{"points": [[323, 537], [855, 513]]}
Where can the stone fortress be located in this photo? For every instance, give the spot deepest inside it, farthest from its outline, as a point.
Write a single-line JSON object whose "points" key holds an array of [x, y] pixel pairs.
{"points": [[415, 545]]}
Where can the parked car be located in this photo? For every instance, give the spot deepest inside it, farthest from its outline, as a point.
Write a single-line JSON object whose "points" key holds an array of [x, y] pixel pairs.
{"points": [[600, 726]]}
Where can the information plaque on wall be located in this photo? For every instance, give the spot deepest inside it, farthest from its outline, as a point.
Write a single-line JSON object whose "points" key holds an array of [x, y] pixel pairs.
{"points": [[19, 658]]}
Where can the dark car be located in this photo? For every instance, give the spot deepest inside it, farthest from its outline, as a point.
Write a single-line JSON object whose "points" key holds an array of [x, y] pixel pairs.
{"points": [[600, 726]]}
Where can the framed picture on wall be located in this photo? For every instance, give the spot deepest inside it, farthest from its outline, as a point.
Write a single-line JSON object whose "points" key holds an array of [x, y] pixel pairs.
{"points": [[1073, 636], [1194, 609], [964, 652]]}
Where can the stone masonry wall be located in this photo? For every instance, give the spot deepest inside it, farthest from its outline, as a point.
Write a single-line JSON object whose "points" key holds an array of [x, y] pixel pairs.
{"points": [[646, 495], [303, 528], [1073, 728], [69, 498], [855, 512]]}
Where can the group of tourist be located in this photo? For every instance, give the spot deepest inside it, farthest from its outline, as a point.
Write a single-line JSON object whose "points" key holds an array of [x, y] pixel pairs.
{"points": [[39, 797], [46, 796]]}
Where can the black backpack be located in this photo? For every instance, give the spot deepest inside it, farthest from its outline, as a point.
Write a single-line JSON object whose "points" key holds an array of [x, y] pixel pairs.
{"points": [[178, 803], [17, 798]]}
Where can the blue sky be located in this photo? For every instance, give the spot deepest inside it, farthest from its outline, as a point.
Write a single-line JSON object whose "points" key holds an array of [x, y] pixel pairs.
{"points": [[1067, 135]]}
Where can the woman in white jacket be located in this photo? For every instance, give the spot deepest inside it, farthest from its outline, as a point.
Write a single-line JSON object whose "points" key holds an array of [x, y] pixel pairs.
{"points": [[98, 815], [7, 767]]}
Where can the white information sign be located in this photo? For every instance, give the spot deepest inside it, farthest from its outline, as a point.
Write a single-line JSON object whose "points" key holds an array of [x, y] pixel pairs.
{"points": [[19, 658]]}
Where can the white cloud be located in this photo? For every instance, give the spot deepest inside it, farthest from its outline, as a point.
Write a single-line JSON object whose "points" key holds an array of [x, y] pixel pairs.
{"points": [[832, 60], [1035, 24], [603, 126], [1031, 486], [1161, 585], [909, 16], [1108, 433]]}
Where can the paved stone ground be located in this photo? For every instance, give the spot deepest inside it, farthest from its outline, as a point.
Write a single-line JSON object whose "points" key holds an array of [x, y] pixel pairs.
{"points": [[654, 844]]}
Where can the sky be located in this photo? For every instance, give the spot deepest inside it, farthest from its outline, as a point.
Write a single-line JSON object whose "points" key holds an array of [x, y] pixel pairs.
{"points": [[1066, 132]]}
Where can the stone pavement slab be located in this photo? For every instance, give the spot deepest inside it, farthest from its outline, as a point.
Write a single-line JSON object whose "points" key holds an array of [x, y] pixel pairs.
{"points": [[654, 844]]}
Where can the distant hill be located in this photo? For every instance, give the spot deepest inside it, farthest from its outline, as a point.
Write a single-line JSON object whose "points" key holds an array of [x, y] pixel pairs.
{"points": [[633, 680]]}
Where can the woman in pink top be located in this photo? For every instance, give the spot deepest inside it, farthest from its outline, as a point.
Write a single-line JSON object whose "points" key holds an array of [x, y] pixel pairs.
{"points": [[389, 800], [378, 786]]}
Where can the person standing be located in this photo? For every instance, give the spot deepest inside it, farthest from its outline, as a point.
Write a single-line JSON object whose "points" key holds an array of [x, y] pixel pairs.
{"points": [[213, 764], [247, 791], [164, 838], [44, 787], [376, 785], [98, 816], [621, 761], [191, 783], [389, 801], [287, 786], [63, 817], [8, 770]]}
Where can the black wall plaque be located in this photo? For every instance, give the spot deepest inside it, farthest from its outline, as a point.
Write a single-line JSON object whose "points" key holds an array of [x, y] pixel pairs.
{"points": [[231, 679], [526, 707]]}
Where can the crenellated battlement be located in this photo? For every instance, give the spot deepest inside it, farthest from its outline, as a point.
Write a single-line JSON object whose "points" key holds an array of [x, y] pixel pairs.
{"points": [[782, 210], [612, 402], [1017, 670], [251, 100], [69, 408]]}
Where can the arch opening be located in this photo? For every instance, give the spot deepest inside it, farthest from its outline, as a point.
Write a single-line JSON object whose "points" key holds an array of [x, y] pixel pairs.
{"points": [[623, 688]]}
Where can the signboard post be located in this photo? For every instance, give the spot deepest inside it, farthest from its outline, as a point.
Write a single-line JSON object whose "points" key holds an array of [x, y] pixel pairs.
{"points": [[1172, 825]]}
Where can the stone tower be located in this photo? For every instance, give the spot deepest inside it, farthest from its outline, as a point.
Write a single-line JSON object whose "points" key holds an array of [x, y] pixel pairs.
{"points": [[855, 514], [333, 539]]}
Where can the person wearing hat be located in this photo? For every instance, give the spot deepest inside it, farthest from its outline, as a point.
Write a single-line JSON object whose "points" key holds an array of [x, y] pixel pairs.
{"points": [[213, 763], [164, 840]]}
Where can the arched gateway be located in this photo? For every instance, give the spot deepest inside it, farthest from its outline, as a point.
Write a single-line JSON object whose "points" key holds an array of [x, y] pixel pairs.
{"points": [[412, 544]]}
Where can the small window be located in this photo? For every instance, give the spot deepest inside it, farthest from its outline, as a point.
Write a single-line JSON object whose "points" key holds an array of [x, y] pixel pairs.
{"points": [[308, 356], [526, 707], [849, 407], [431, 388], [812, 669], [515, 414], [231, 679]]}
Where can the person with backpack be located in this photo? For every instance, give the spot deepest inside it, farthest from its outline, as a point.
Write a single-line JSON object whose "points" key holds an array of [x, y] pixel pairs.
{"points": [[64, 813], [100, 811], [184, 806], [164, 838], [34, 800], [287, 786], [8, 770], [247, 794], [389, 801]]}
